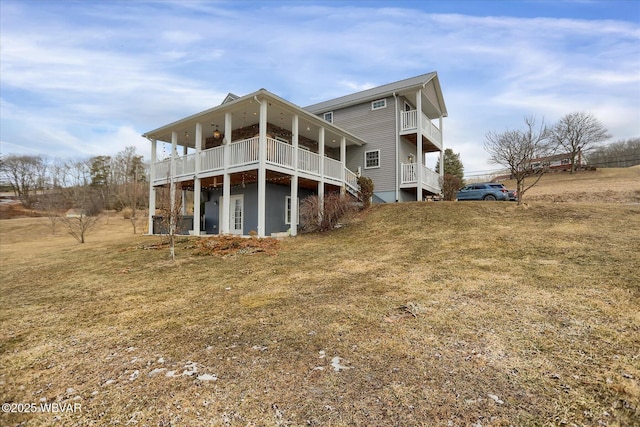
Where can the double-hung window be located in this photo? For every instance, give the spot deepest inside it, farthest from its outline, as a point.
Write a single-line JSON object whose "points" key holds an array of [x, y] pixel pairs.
{"points": [[328, 116], [372, 159]]}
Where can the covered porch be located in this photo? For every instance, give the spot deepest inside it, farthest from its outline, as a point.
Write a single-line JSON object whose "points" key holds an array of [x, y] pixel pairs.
{"points": [[258, 134]]}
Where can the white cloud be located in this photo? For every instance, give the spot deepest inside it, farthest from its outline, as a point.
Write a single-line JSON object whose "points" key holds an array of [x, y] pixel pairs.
{"points": [[95, 75]]}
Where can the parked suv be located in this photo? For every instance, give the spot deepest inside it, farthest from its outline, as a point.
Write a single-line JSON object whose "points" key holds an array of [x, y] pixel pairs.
{"points": [[483, 191]]}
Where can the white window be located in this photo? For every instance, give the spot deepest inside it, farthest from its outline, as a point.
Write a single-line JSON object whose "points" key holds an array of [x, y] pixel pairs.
{"points": [[372, 159], [328, 116], [287, 211], [379, 104]]}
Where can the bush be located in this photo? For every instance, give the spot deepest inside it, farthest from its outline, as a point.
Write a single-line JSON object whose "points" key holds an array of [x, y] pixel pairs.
{"points": [[127, 213], [366, 191], [450, 186], [336, 208]]}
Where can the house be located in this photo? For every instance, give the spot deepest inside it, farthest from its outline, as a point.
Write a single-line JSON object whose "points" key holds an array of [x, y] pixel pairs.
{"points": [[249, 161], [397, 122], [560, 161]]}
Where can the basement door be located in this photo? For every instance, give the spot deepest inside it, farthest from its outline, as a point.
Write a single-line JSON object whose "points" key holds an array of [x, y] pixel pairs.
{"points": [[236, 213]]}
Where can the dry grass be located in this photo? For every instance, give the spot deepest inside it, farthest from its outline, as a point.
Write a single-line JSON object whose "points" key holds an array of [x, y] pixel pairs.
{"points": [[608, 185], [519, 316]]}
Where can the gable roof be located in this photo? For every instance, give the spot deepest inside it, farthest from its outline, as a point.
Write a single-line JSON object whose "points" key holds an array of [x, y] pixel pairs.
{"points": [[186, 125], [399, 87], [230, 97]]}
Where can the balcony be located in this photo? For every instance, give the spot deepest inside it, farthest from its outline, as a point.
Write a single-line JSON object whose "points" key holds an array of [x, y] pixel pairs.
{"points": [[409, 177], [244, 155], [409, 125]]}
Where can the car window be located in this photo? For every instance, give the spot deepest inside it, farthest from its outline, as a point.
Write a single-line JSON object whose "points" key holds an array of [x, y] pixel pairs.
{"points": [[497, 185], [478, 187]]}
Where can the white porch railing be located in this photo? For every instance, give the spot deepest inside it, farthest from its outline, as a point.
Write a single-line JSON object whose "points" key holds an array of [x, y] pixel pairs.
{"points": [[351, 179], [246, 152], [186, 165], [332, 168], [308, 162], [279, 153], [212, 159], [409, 175], [409, 122], [430, 178], [163, 169]]}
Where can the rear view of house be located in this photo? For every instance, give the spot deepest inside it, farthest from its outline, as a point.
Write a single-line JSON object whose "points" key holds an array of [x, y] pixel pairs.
{"points": [[401, 123], [250, 160]]}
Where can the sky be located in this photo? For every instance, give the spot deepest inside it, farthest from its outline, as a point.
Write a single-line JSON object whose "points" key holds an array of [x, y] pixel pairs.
{"points": [[85, 78]]}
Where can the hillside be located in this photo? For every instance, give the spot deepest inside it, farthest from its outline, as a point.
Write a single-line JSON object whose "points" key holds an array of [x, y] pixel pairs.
{"points": [[415, 314], [609, 185]]}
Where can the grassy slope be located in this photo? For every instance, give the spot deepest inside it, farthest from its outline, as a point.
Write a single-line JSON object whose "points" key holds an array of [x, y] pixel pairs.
{"points": [[530, 318], [611, 185]]}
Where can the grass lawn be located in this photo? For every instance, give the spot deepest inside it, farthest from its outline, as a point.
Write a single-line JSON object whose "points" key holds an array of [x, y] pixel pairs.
{"points": [[432, 314]]}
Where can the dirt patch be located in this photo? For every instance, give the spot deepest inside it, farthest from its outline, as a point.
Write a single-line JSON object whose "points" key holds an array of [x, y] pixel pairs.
{"points": [[232, 245], [10, 209]]}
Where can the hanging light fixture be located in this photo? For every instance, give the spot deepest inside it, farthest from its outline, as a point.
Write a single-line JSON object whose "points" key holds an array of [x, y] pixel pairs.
{"points": [[216, 133]]}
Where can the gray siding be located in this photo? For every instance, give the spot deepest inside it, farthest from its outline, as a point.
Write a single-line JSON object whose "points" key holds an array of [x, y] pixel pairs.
{"points": [[274, 207], [378, 128]]}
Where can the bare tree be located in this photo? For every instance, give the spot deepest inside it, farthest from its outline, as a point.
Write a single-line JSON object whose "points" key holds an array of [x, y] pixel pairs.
{"points": [[131, 179], [78, 225], [25, 175], [170, 219], [576, 133], [515, 149], [82, 198]]}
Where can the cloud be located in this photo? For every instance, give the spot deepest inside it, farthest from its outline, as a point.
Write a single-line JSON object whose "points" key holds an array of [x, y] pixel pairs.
{"points": [[95, 75]]}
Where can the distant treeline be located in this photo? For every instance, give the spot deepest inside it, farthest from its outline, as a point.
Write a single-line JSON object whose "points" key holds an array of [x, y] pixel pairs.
{"points": [[620, 154]]}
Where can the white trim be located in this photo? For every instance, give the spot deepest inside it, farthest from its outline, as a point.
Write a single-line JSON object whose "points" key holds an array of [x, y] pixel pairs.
{"points": [[365, 159], [288, 208], [231, 215], [328, 114], [382, 102]]}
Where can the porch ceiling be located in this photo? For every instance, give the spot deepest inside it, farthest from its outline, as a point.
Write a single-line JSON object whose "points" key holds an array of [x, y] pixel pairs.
{"points": [[427, 146], [245, 111], [251, 177]]}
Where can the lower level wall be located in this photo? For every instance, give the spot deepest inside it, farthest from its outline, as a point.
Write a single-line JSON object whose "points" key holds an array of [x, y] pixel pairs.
{"points": [[275, 207]]}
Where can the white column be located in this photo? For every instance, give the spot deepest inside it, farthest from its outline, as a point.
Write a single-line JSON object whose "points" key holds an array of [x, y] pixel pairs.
{"points": [[223, 227], [185, 150], [262, 170], [294, 177], [419, 154], [197, 183], [152, 189], [295, 141], [442, 149], [321, 153], [343, 159], [172, 178], [294, 205]]}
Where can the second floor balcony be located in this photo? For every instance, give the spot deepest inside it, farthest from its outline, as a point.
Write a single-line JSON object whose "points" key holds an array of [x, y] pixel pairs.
{"points": [[409, 126]]}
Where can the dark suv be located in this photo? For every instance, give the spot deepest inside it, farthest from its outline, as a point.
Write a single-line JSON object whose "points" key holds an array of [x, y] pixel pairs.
{"points": [[483, 191]]}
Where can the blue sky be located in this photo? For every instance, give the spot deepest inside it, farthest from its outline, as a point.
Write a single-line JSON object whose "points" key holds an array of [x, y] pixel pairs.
{"points": [[82, 78]]}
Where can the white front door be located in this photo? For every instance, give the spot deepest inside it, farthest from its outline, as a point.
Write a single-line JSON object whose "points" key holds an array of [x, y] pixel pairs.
{"points": [[236, 213]]}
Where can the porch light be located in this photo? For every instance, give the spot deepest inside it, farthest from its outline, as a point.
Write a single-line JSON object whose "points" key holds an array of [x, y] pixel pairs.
{"points": [[216, 133], [410, 158]]}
